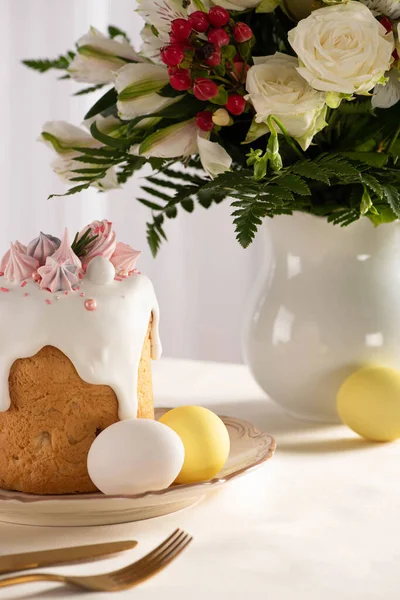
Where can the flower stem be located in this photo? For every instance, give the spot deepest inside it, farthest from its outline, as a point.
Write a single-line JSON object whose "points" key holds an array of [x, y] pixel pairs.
{"points": [[288, 138], [392, 143]]}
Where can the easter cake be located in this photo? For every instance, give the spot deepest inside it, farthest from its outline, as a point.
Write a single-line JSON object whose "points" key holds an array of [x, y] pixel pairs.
{"points": [[79, 329]]}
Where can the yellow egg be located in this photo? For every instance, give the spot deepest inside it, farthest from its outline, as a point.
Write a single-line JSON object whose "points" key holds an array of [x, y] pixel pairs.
{"points": [[369, 403], [205, 438]]}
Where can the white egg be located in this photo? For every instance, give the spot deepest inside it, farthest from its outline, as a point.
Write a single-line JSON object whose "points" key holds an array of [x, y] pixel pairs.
{"points": [[100, 271], [135, 456]]}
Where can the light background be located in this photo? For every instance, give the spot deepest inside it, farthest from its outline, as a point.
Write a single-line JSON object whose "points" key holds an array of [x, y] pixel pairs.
{"points": [[202, 276]]}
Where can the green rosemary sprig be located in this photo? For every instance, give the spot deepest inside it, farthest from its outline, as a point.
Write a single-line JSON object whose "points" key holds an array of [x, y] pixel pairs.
{"points": [[80, 245]]}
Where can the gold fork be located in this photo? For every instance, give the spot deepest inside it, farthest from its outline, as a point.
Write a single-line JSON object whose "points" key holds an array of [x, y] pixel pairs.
{"points": [[122, 579]]}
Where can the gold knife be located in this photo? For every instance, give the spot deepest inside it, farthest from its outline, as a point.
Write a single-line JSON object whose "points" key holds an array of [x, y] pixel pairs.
{"points": [[45, 558]]}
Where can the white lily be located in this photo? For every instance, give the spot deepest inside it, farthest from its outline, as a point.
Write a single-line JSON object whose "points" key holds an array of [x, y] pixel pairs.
{"points": [[151, 44], [262, 6], [137, 86], [173, 141], [385, 96], [66, 170], [214, 157], [99, 57], [62, 137], [389, 8], [183, 140], [160, 13]]}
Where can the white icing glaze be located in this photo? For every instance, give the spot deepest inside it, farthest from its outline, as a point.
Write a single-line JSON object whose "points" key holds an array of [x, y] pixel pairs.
{"points": [[105, 345]]}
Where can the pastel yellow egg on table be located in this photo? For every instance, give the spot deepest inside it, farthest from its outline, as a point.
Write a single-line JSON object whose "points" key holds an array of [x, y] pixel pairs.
{"points": [[205, 439], [369, 403]]}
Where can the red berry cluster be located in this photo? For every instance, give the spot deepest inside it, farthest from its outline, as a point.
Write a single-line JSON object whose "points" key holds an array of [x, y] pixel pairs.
{"points": [[195, 52]]}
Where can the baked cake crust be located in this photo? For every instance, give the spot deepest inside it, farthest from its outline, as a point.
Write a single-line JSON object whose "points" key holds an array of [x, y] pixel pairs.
{"points": [[54, 416]]}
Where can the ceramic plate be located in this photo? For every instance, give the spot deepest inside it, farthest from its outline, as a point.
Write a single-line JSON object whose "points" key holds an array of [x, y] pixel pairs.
{"points": [[250, 448]]}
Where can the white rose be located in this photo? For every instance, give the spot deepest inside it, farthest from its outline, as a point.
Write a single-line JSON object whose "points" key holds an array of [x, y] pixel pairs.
{"points": [[62, 137], [390, 8], [65, 169], [137, 86], [99, 57], [342, 49], [276, 89]]}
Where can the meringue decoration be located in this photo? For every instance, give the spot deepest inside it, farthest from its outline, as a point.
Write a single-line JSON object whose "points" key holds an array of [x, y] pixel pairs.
{"points": [[124, 258], [6, 257], [65, 254], [17, 265], [100, 271], [104, 244], [43, 246], [58, 275]]}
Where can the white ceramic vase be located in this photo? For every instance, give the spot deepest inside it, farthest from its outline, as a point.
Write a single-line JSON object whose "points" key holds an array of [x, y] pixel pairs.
{"points": [[327, 301]]}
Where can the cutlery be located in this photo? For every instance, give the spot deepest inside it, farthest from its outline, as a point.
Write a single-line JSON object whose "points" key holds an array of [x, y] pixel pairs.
{"points": [[122, 579], [33, 560]]}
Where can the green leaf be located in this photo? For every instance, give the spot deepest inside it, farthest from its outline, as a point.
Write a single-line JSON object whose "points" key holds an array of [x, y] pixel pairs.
{"points": [[171, 212], [392, 196], [366, 202], [156, 193], [229, 52], [168, 92], [374, 159], [89, 90], [373, 184], [109, 99], [45, 64], [188, 205], [222, 96], [115, 31], [385, 215], [150, 204], [308, 169], [295, 184], [144, 87], [71, 191], [108, 140]]}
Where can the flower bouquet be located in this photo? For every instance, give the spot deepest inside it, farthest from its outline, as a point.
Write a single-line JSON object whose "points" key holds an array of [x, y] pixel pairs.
{"points": [[233, 99]]}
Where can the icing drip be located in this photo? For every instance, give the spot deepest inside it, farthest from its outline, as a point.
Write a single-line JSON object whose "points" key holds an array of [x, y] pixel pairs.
{"points": [[65, 253], [124, 257], [58, 276], [43, 246], [105, 345], [17, 265], [105, 243]]}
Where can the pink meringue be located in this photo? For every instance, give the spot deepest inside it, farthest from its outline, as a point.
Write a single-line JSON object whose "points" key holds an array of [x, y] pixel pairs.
{"points": [[104, 244], [17, 265], [58, 275], [43, 246], [65, 254], [6, 257], [124, 257]]}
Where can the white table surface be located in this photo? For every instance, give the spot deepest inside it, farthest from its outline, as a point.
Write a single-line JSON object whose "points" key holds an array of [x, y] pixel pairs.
{"points": [[320, 521]]}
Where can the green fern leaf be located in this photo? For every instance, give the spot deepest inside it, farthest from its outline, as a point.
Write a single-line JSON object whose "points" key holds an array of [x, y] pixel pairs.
{"points": [[392, 196], [307, 170], [373, 184], [71, 191], [294, 183], [150, 204]]}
